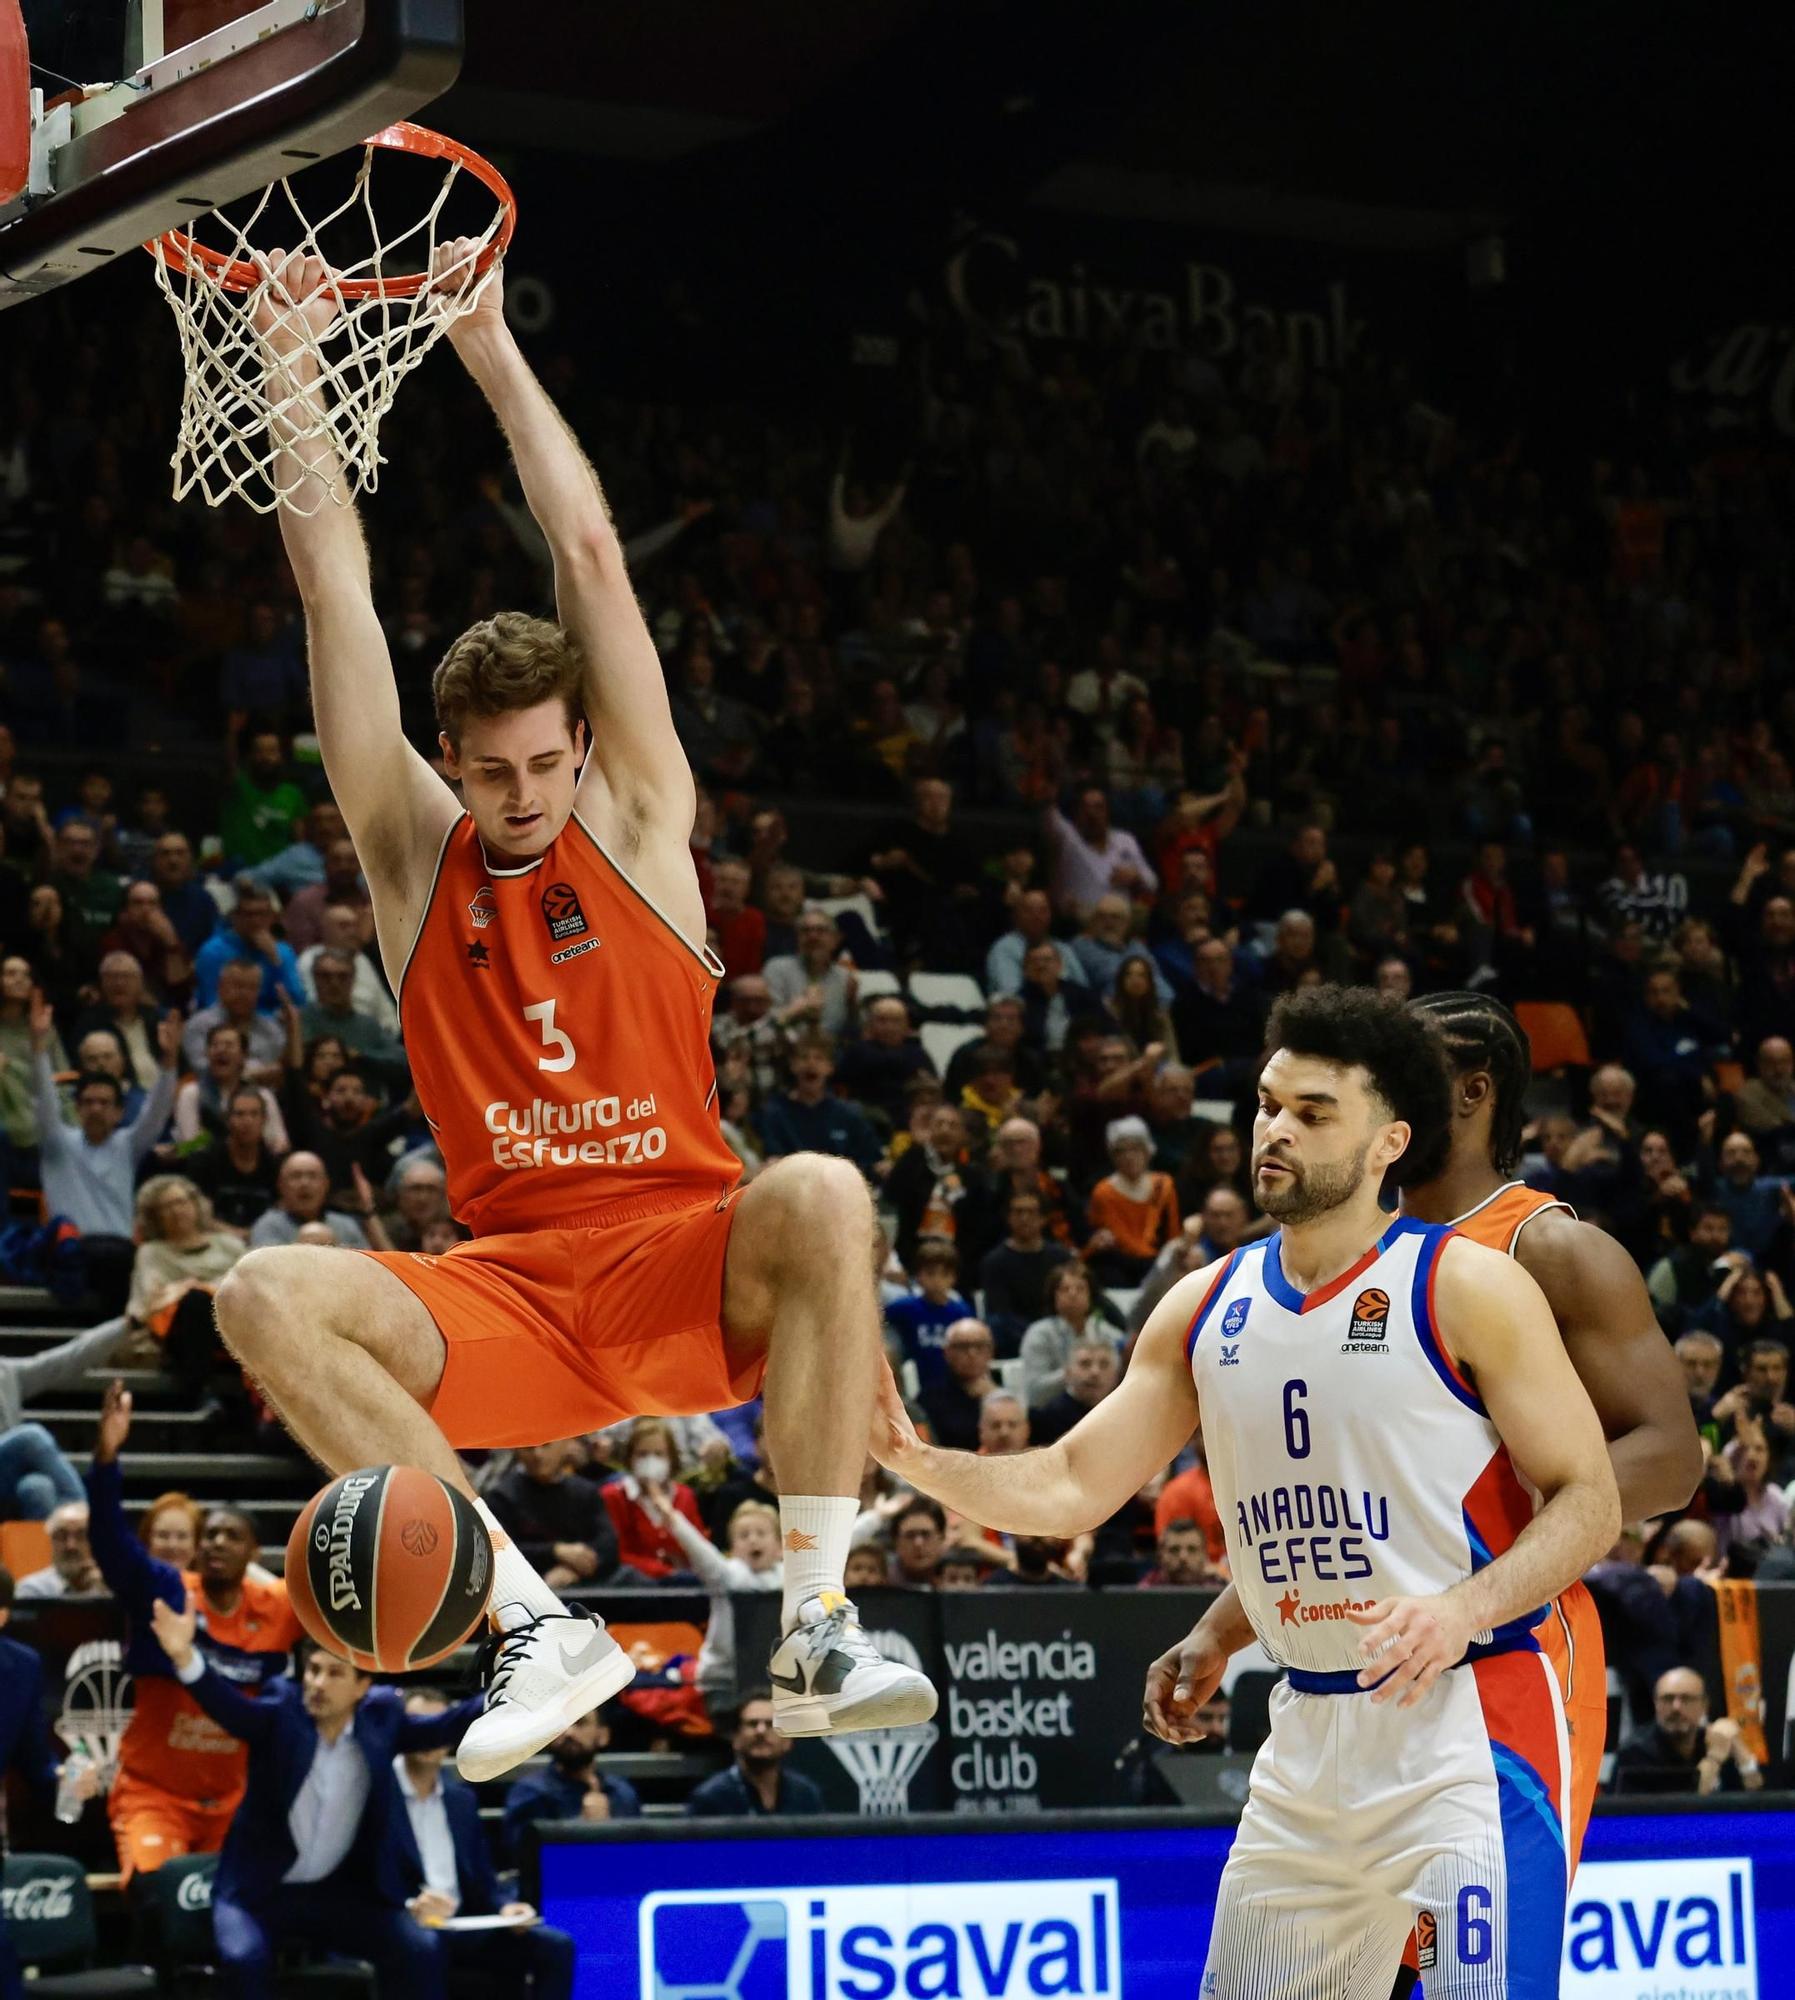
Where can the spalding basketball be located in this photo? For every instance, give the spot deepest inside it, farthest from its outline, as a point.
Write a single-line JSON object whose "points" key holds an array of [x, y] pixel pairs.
{"points": [[389, 1568]]}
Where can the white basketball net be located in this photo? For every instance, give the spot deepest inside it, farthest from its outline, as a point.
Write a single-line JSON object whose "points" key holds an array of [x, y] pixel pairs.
{"points": [[96, 1704], [883, 1761], [245, 425]]}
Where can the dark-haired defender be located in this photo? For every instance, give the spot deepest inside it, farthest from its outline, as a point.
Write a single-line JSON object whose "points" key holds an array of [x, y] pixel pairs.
{"points": [[1381, 1401], [545, 935], [1605, 1319]]}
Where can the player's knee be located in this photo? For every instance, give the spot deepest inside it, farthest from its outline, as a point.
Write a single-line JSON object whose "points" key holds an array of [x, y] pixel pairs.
{"points": [[820, 1204], [255, 1302]]}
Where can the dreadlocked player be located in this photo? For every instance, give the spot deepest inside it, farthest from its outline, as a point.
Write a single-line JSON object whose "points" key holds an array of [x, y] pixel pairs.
{"points": [[1605, 1318]]}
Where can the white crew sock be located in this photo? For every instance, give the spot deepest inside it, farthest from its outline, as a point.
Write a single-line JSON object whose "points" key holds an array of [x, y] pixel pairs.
{"points": [[814, 1530], [518, 1593]]}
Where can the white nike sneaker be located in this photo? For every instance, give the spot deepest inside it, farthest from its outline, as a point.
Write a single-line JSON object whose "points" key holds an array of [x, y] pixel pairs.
{"points": [[827, 1676], [542, 1677]]}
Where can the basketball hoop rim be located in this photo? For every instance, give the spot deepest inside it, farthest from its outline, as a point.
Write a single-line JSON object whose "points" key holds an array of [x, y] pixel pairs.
{"points": [[180, 252]]}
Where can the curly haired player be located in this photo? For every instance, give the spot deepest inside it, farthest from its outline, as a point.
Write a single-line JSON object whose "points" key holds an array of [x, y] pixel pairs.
{"points": [[1407, 1469], [1606, 1322]]}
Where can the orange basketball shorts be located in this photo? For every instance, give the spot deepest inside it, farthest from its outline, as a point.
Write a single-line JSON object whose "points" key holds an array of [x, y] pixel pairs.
{"points": [[152, 1826], [1570, 1636], [555, 1332]]}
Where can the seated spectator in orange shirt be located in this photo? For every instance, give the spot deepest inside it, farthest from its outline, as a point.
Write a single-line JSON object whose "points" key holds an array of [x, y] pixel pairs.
{"points": [[1133, 1211], [1188, 1496]]}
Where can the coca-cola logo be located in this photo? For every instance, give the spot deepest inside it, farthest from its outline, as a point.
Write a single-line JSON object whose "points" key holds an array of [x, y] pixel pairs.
{"points": [[1751, 364], [39, 1899], [195, 1892]]}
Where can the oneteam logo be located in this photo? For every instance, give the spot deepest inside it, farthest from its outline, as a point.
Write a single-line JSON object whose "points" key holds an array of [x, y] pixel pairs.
{"points": [[1641, 1929], [981, 1940]]}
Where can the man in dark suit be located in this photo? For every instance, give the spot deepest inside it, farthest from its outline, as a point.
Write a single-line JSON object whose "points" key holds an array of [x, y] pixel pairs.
{"points": [[447, 1854], [570, 1786], [24, 1744], [757, 1783], [317, 1848]]}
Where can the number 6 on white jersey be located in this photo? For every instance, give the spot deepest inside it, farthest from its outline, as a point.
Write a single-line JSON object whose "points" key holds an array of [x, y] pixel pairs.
{"points": [[543, 1013]]}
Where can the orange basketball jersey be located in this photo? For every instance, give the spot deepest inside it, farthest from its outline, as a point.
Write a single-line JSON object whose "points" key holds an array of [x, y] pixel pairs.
{"points": [[171, 1746], [1570, 1634], [558, 1027], [1498, 1220]]}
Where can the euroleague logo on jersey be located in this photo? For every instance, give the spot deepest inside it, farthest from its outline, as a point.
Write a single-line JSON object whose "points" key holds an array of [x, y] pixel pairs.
{"points": [[565, 919], [1370, 1320], [561, 911]]}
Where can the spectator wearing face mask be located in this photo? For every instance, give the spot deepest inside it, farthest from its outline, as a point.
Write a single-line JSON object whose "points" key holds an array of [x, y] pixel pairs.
{"points": [[642, 1543]]}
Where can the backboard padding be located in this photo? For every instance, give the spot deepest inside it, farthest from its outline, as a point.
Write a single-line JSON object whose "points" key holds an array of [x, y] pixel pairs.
{"points": [[219, 132]]}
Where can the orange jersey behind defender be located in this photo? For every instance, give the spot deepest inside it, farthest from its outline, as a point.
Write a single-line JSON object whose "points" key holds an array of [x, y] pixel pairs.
{"points": [[1570, 1634], [558, 1028]]}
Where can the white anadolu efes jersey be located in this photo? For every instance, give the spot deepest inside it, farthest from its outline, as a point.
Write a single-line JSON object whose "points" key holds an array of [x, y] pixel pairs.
{"points": [[1351, 1460]]}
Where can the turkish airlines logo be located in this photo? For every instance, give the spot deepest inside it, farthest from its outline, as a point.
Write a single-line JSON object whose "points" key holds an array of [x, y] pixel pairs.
{"points": [[561, 911], [1370, 1322]]}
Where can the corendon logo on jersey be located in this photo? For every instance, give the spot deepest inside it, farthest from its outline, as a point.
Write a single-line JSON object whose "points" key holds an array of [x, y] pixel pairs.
{"points": [[484, 906], [1293, 1611]]}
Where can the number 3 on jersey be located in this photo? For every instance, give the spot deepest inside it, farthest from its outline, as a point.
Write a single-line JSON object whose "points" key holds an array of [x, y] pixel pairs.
{"points": [[564, 1057]]}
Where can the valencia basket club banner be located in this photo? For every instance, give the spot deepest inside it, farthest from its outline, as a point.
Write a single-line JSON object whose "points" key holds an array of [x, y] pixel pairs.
{"points": [[1040, 1696]]}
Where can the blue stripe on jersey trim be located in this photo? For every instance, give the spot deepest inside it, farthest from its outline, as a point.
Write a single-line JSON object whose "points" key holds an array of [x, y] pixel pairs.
{"points": [[1535, 1885], [1514, 1769], [1201, 1317], [1346, 1681], [1425, 1331], [1294, 1301], [1271, 1276]]}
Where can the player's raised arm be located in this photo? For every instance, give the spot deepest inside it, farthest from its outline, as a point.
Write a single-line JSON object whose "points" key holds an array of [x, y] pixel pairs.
{"points": [[636, 758], [395, 805], [1102, 1462], [1504, 1338]]}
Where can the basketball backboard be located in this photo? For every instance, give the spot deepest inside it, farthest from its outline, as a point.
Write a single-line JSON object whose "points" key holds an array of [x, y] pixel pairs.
{"points": [[194, 103]]}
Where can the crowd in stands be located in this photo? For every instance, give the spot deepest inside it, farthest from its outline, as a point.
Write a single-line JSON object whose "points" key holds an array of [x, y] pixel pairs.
{"points": [[1154, 687]]}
